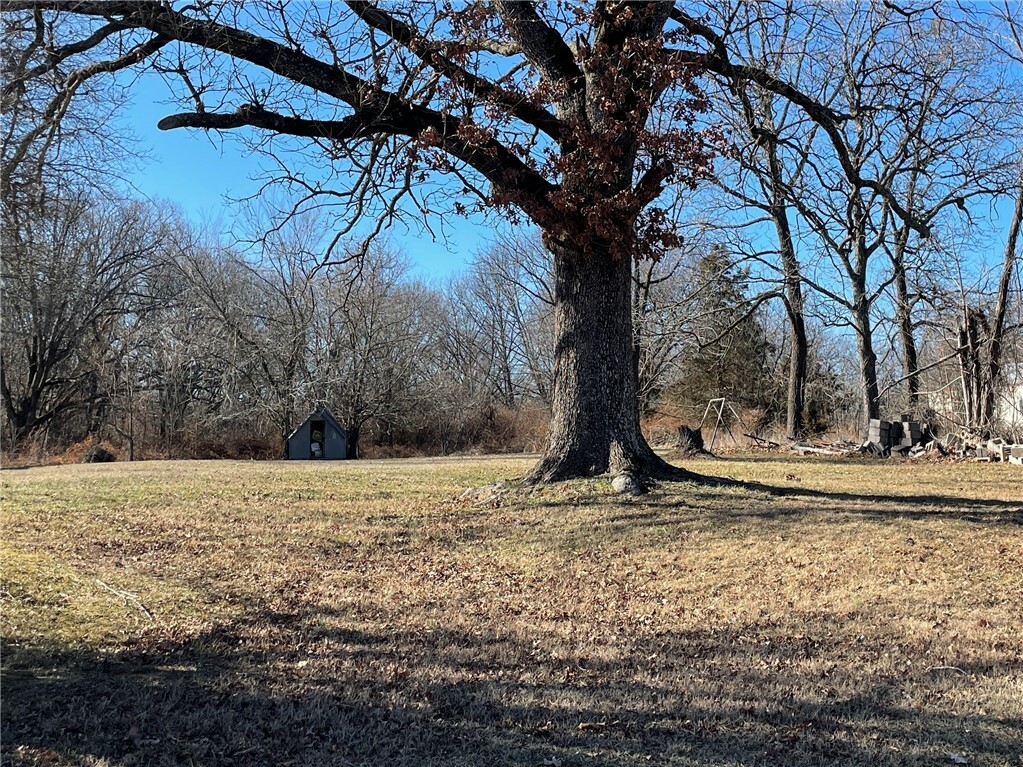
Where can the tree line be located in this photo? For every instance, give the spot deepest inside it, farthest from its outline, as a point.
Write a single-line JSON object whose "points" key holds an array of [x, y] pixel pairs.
{"points": [[126, 322]]}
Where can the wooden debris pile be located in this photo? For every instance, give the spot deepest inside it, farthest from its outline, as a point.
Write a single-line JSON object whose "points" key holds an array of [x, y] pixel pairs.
{"points": [[819, 447], [910, 439]]}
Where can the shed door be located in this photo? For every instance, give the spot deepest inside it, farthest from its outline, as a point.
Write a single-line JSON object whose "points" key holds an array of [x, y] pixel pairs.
{"points": [[317, 433]]}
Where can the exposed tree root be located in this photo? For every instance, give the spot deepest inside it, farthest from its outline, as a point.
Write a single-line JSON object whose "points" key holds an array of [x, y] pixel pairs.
{"points": [[643, 465]]}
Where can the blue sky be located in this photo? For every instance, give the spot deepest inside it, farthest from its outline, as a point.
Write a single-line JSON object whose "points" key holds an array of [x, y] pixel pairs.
{"points": [[200, 171]]}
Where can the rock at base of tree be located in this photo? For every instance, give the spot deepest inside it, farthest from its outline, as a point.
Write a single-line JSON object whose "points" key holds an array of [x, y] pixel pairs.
{"points": [[98, 454], [488, 494], [627, 483], [690, 441]]}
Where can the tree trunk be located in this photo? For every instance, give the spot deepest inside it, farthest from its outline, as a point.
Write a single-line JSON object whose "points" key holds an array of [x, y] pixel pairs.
{"points": [[910, 359], [904, 317], [595, 420], [972, 334], [21, 411], [352, 445], [868, 362], [637, 331], [994, 365], [799, 351], [795, 421], [794, 305]]}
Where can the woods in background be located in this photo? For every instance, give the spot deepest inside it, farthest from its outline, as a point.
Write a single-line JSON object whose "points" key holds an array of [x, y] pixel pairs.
{"points": [[157, 338]]}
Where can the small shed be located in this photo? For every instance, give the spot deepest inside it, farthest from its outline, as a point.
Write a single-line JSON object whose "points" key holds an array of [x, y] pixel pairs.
{"points": [[319, 437]]}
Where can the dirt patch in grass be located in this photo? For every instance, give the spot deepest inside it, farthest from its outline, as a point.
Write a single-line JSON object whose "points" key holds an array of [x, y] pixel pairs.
{"points": [[361, 614]]}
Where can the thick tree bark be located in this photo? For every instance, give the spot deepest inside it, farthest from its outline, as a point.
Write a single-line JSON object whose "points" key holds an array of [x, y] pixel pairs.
{"points": [[595, 421], [799, 349], [868, 361], [352, 445]]}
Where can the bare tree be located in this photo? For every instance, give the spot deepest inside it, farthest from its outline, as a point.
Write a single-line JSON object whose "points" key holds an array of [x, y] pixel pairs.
{"points": [[69, 274], [999, 325], [481, 337], [917, 139], [1010, 44], [261, 310], [371, 337], [513, 282], [771, 136], [578, 120], [58, 121]]}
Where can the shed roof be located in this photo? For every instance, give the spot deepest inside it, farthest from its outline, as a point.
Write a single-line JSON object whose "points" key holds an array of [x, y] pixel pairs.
{"points": [[319, 412]]}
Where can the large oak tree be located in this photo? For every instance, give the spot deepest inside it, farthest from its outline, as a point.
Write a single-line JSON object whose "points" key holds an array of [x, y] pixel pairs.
{"points": [[578, 116]]}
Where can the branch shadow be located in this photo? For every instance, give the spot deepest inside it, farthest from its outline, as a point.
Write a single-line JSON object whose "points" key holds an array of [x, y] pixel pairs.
{"points": [[307, 687], [1011, 511], [756, 501]]}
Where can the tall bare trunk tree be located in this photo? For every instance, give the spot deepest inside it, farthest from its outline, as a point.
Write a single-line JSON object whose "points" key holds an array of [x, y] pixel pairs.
{"points": [[996, 337]]}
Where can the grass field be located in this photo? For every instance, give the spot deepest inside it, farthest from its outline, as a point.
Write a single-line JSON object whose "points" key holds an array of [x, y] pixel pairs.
{"points": [[231, 613]]}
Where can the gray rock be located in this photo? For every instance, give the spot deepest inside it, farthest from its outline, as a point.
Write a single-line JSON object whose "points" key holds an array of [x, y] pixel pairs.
{"points": [[486, 494], [627, 483]]}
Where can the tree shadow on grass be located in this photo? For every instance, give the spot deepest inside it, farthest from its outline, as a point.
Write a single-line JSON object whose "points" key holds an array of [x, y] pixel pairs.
{"points": [[969, 509], [309, 688], [756, 502], [779, 502]]}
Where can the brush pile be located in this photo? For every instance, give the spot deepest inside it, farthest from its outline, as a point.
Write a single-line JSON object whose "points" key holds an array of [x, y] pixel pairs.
{"points": [[910, 439]]}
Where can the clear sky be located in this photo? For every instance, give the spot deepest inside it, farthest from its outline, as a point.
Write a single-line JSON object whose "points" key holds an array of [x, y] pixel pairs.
{"points": [[200, 171]]}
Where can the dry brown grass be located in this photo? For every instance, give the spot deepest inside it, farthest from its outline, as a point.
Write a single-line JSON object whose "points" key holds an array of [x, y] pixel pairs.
{"points": [[359, 614]]}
